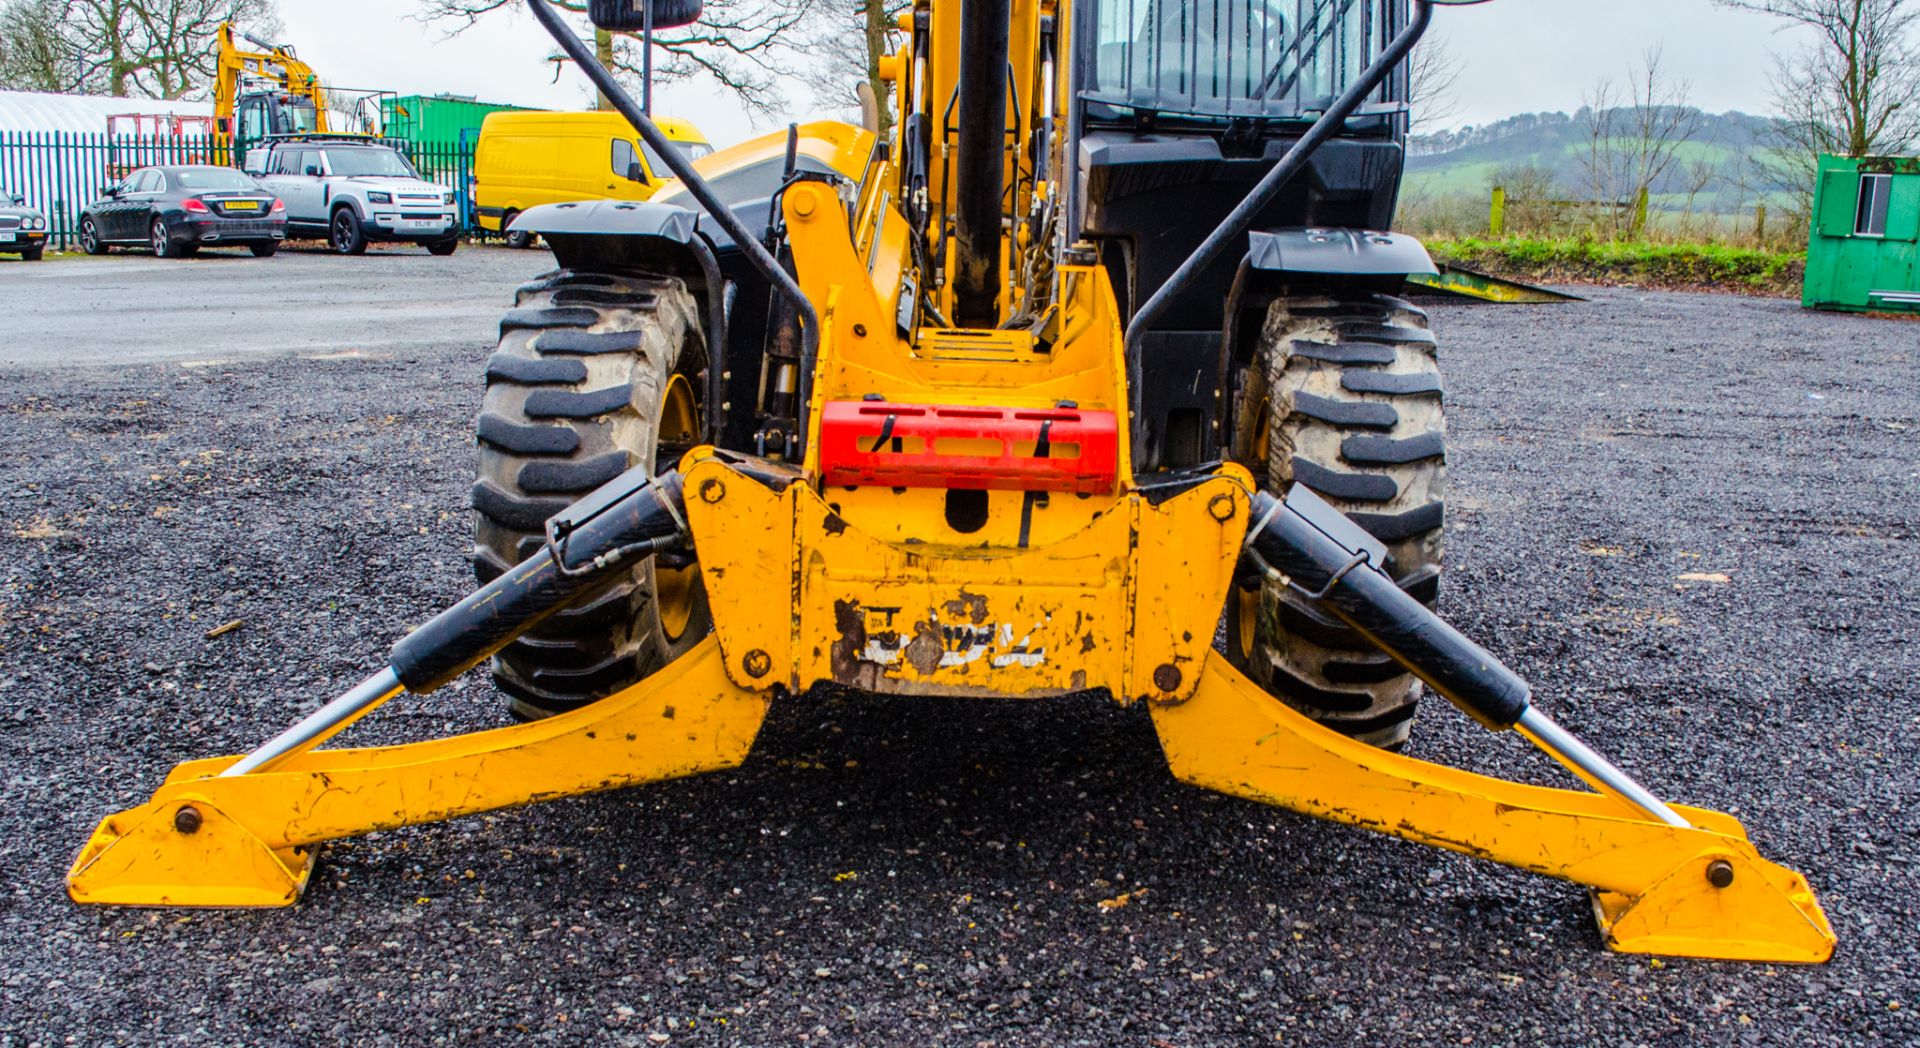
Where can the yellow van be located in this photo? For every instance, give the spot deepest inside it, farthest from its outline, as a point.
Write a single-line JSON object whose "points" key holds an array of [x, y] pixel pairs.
{"points": [[526, 158]]}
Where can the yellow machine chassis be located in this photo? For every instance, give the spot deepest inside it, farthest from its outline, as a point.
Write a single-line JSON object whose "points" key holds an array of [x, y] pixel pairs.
{"points": [[249, 840]]}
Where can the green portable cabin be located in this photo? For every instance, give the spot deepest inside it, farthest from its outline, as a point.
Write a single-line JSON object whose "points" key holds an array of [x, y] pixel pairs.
{"points": [[438, 120], [1864, 251]]}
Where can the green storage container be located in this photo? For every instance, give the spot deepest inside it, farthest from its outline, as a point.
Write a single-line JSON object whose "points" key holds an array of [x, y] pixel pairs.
{"points": [[1863, 252], [435, 119]]}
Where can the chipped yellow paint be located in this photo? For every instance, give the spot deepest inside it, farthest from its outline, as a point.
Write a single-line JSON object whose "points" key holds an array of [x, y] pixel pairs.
{"points": [[1650, 881], [1129, 602], [253, 845]]}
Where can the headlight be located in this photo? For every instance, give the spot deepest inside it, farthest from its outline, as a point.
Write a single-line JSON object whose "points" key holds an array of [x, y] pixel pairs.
{"points": [[379, 198], [36, 223]]}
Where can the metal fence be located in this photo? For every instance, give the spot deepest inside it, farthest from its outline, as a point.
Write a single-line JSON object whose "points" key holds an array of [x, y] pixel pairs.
{"points": [[61, 173]]}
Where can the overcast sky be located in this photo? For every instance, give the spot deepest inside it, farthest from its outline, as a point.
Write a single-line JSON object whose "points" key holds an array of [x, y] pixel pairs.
{"points": [[1520, 55]]}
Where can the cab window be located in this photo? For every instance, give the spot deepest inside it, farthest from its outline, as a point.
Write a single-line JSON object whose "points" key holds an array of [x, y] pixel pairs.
{"points": [[624, 158]]}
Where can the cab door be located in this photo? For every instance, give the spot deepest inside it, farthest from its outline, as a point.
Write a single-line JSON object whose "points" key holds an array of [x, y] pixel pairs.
{"points": [[300, 180], [125, 218], [627, 176]]}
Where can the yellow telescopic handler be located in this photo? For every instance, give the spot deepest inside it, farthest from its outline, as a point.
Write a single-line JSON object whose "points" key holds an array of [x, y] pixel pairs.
{"points": [[1092, 374]]}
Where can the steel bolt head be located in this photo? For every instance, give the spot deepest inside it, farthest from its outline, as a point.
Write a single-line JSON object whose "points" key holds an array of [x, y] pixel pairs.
{"points": [[187, 819], [1720, 873], [711, 490], [1221, 507], [756, 663], [1166, 677]]}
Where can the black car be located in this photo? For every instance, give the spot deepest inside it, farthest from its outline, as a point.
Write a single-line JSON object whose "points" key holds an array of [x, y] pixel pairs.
{"points": [[23, 229], [178, 210]]}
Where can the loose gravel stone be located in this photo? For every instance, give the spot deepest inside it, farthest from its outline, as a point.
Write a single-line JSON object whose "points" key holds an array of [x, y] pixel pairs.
{"points": [[1600, 452]]}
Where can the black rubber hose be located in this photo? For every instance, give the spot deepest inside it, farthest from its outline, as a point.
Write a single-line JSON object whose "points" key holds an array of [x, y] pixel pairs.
{"points": [[699, 189], [1367, 599], [980, 161], [636, 516]]}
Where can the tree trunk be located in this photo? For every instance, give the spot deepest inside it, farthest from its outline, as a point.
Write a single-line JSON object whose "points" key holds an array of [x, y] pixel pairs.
{"points": [[876, 25], [603, 50]]}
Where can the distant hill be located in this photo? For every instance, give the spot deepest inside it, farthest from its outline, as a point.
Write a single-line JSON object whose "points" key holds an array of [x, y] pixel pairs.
{"points": [[1463, 162]]}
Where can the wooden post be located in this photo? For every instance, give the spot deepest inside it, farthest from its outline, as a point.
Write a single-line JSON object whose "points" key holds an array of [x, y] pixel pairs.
{"points": [[1640, 212], [1760, 224], [1497, 212]]}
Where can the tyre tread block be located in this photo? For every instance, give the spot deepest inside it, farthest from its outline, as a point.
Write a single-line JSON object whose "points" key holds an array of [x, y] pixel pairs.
{"points": [[1390, 334], [1355, 414], [520, 514], [1391, 383], [603, 296], [1344, 353], [561, 403], [548, 317], [1353, 487], [535, 371], [1370, 450], [587, 343], [521, 439], [1398, 527], [548, 475]]}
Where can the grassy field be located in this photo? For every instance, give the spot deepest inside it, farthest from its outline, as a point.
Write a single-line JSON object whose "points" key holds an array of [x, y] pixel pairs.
{"points": [[1687, 266]]}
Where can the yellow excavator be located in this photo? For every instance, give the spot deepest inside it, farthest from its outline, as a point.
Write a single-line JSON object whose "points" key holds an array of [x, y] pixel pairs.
{"points": [[270, 91], [1093, 375]]}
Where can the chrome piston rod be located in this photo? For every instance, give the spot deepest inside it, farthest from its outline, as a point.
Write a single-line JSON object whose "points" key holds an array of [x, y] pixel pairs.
{"points": [[321, 724], [1599, 772]]}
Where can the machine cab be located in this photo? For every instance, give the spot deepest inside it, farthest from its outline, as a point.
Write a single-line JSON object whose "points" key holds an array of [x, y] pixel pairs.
{"points": [[274, 113]]}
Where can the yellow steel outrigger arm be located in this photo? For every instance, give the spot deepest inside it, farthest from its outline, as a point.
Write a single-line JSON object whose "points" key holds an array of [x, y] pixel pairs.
{"points": [[1691, 891], [207, 839]]}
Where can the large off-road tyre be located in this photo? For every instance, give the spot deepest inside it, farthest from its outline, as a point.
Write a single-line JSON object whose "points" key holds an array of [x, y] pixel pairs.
{"points": [[595, 373], [1343, 396]]}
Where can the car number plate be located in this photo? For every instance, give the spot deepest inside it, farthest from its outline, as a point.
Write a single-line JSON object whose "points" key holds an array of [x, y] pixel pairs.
{"points": [[243, 205], [6, 238], [421, 223]]}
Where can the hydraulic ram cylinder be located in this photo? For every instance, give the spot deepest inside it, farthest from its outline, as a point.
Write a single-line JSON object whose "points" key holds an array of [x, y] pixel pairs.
{"points": [[1319, 550], [610, 530]]}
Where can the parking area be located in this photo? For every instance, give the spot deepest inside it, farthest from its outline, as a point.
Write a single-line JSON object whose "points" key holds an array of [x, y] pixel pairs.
{"points": [[1690, 520], [225, 304]]}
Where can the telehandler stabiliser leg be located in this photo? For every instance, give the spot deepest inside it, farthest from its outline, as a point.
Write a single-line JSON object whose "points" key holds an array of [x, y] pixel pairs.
{"points": [[242, 831]]}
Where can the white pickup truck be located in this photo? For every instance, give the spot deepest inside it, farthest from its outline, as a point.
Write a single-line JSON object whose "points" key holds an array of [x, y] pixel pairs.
{"points": [[352, 190]]}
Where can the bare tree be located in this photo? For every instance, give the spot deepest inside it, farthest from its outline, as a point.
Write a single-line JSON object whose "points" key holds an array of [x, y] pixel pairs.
{"points": [[1433, 82], [1635, 137], [746, 46], [847, 48], [155, 48], [1854, 90], [33, 56]]}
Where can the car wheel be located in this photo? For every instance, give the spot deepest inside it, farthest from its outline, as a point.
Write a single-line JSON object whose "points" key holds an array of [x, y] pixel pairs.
{"points": [[90, 241], [162, 239], [516, 238], [345, 233], [265, 250], [443, 247]]}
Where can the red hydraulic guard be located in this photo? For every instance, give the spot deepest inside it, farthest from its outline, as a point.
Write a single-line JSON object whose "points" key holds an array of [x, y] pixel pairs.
{"points": [[998, 449]]}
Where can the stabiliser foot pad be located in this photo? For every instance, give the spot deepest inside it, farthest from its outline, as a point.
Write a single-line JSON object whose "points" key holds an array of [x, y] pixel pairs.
{"points": [[185, 852]]}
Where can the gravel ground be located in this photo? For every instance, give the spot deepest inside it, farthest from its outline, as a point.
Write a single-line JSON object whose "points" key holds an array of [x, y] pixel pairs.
{"points": [[923, 872]]}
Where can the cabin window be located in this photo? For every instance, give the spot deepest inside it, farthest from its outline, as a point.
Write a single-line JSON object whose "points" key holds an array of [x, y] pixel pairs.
{"points": [[1871, 219]]}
